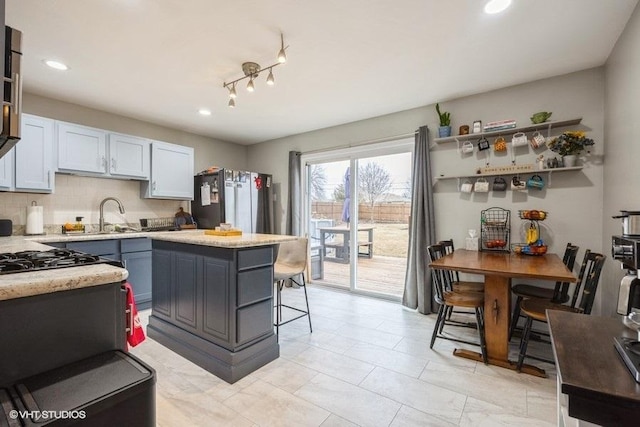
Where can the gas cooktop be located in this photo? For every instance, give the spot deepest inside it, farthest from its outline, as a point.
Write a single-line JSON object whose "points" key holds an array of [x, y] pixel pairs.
{"points": [[20, 262]]}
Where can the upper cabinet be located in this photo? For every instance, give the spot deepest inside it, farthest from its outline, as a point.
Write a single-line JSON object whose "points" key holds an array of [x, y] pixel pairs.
{"points": [[128, 156], [34, 163], [6, 170], [81, 149], [171, 172], [96, 152]]}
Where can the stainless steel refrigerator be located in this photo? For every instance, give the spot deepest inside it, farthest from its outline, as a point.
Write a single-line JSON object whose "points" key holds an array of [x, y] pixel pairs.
{"points": [[242, 198]]}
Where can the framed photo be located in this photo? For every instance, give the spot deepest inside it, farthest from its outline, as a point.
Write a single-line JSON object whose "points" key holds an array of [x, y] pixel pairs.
{"points": [[477, 126]]}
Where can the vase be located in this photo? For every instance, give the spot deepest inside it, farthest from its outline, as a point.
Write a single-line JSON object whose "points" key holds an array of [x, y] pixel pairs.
{"points": [[569, 160], [444, 131]]}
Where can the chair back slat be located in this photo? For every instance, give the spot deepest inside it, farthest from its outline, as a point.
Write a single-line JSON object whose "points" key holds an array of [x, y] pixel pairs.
{"points": [[448, 248], [561, 290], [439, 276], [588, 281]]}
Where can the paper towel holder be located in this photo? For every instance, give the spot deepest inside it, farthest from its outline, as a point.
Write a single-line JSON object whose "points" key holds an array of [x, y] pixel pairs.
{"points": [[35, 220]]}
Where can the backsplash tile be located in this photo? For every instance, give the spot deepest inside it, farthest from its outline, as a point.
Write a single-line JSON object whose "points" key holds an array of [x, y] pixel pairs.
{"points": [[81, 196]]}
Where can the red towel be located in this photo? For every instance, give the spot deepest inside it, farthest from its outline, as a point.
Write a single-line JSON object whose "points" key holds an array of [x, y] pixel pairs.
{"points": [[136, 335]]}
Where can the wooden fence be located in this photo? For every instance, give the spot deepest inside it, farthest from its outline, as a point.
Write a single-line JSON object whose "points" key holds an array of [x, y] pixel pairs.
{"points": [[386, 212]]}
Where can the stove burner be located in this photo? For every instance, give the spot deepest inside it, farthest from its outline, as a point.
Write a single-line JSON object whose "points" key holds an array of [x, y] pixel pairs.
{"points": [[42, 260]]}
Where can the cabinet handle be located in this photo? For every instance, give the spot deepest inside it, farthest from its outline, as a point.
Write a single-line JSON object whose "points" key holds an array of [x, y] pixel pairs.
{"points": [[103, 161], [49, 178], [113, 164], [153, 185], [124, 263]]}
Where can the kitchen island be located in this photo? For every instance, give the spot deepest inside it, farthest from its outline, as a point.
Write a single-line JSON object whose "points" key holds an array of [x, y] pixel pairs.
{"points": [[212, 299]]}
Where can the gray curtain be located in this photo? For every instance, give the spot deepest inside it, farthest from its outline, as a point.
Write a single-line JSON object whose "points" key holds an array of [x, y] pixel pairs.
{"points": [[294, 201], [417, 285]]}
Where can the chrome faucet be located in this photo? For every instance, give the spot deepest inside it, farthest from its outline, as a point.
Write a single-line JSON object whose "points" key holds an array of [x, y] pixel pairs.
{"points": [[120, 207]]}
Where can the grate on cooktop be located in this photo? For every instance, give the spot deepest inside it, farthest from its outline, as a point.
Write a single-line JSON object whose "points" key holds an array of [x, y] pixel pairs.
{"points": [[46, 260]]}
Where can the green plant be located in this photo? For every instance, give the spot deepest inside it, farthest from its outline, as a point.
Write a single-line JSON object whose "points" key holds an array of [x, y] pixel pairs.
{"points": [[571, 142], [445, 118]]}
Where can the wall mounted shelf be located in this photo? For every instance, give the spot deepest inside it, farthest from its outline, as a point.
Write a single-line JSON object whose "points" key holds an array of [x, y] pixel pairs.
{"points": [[537, 127], [549, 172]]}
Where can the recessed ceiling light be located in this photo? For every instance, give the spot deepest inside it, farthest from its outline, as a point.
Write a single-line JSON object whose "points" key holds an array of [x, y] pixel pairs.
{"points": [[204, 112], [496, 6], [57, 65]]}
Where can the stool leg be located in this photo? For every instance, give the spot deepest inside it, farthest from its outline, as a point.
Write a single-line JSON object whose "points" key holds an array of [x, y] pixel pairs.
{"points": [[304, 285]]}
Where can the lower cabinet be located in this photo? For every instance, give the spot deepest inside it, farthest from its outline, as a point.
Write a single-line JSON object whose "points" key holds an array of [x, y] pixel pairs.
{"points": [[135, 255]]}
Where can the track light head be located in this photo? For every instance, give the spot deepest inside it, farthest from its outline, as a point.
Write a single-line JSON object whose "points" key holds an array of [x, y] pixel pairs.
{"points": [[270, 80], [232, 103], [250, 86], [282, 56], [232, 92]]}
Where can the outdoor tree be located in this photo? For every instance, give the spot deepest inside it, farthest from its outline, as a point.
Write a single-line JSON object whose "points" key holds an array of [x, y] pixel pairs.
{"points": [[374, 182], [318, 179], [407, 189], [338, 193]]}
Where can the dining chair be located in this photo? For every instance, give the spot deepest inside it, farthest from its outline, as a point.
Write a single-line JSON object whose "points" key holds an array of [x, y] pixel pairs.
{"points": [[584, 294], [291, 262], [447, 297], [559, 294], [454, 276]]}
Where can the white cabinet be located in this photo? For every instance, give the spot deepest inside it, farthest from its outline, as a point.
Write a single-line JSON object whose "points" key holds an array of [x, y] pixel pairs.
{"points": [[6, 171], [96, 152], [34, 165], [81, 149], [128, 156], [171, 172]]}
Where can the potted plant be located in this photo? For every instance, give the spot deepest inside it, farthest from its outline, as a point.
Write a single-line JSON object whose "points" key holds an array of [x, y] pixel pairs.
{"points": [[445, 123], [569, 145]]}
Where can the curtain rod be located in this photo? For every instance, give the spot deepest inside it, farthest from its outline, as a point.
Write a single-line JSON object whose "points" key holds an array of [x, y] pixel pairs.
{"points": [[357, 144]]}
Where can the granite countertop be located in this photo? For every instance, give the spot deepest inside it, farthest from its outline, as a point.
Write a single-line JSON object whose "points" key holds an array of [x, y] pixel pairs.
{"points": [[47, 281], [31, 283], [197, 237]]}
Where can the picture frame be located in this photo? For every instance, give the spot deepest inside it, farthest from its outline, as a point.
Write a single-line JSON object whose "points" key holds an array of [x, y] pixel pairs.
{"points": [[477, 126]]}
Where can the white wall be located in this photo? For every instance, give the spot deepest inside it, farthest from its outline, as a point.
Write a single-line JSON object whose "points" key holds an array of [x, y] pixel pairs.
{"points": [[622, 130], [574, 200]]}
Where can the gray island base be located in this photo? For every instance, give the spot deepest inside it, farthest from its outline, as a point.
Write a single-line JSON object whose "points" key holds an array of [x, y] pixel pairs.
{"points": [[213, 305]]}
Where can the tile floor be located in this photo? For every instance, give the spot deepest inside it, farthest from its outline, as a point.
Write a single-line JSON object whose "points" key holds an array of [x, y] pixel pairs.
{"points": [[367, 363]]}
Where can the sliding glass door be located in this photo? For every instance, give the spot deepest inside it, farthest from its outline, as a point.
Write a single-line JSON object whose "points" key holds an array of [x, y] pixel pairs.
{"points": [[357, 206]]}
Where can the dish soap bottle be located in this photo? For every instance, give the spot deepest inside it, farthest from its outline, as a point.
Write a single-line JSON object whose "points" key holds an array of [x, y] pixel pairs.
{"points": [[79, 226]]}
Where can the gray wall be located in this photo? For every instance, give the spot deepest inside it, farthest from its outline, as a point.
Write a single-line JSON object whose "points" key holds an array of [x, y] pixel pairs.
{"points": [[208, 151], [622, 118], [573, 198]]}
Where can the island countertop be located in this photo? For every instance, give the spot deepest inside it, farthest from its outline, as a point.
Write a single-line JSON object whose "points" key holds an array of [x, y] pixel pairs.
{"points": [[25, 284], [198, 237]]}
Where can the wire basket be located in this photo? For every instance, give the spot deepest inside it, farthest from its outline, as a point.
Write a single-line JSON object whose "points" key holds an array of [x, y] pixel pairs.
{"points": [[158, 224], [495, 227]]}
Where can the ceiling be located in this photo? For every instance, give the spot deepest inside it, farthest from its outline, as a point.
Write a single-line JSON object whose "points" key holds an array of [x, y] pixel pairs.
{"points": [[162, 60]]}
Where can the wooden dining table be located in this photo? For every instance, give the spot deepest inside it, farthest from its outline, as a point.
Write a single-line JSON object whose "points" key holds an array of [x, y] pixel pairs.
{"points": [[498, 268]]}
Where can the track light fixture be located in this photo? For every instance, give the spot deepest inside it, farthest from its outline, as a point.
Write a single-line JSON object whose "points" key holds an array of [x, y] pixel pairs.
{"points": [[251, 71]]}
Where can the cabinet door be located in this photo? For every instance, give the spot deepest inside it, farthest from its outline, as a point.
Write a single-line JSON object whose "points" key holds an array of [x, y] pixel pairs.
{"points": [[81, 149], [139, 266], [171, 172], [34, 155], [216, 298], [186, 289], [128, 156], [161, 279], [6, 170]]}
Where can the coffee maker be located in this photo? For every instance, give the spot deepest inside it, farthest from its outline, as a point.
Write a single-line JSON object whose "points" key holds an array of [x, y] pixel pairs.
{"points": [[626, 249]]}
